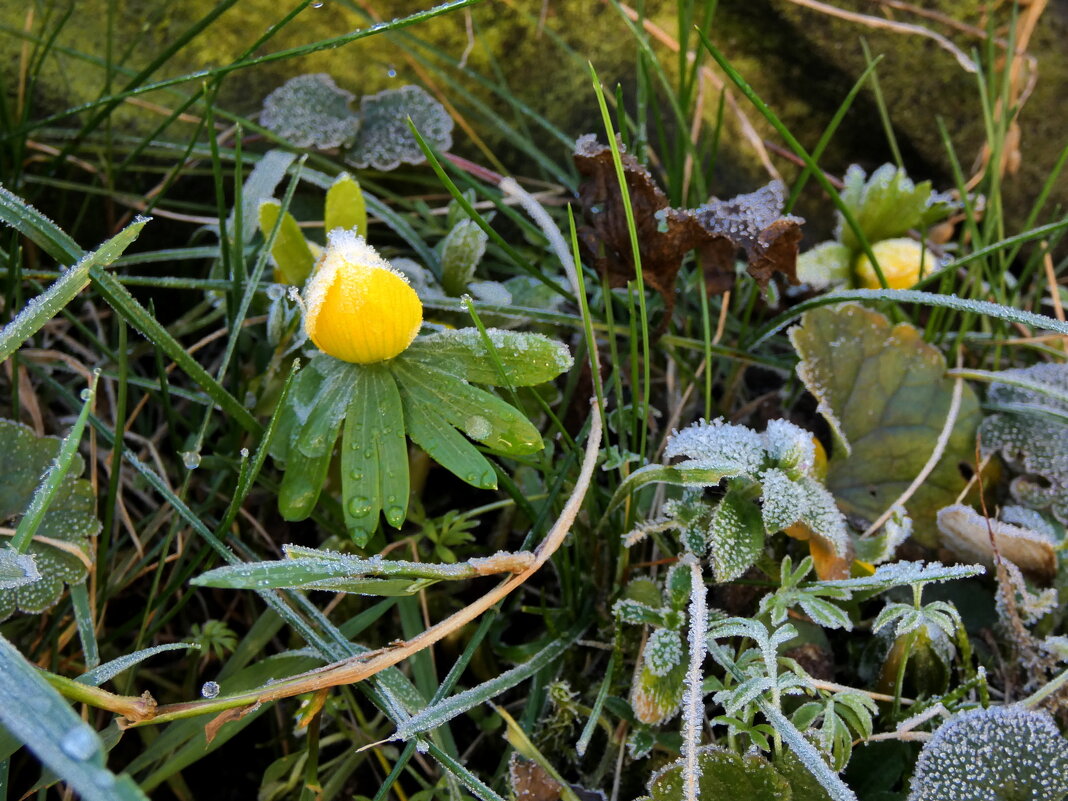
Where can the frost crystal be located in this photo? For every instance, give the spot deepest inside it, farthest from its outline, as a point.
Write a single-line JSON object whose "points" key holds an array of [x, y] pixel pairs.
{"points": [[718, 445], [385, 141], [311, 111], [784, 500], [663, 651], [790, 447], [967, 533], [1031, 432], [994, 754]]}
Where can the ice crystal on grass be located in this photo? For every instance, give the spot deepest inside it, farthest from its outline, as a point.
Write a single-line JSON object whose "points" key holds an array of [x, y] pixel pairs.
{"points": [[311, 111], [385, 141], [997, 754], [1030, 431]]}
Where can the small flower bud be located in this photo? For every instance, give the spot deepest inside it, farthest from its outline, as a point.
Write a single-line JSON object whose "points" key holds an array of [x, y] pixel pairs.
{"points": [[899, 259], [359, 309]]}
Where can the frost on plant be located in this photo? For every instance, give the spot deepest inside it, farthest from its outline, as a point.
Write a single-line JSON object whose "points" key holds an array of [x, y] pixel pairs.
{"points": [[385, 141], [60, 549], [968, 535], [1030, 430], [311, 111], [997, 754]]}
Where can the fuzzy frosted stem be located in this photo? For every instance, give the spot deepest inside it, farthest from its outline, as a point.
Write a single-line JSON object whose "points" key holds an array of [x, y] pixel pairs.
{"points": [[693, 709]]}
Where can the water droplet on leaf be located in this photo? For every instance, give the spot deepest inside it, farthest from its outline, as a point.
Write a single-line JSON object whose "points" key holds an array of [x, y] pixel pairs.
{"points": [[191, 459], [78, 743], [210, 689], [359, 506]]}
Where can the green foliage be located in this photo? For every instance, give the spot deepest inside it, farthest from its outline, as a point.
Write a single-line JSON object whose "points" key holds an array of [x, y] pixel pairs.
{"points": [[886, 205], [999, 754], [885, 395], [60, 549]]}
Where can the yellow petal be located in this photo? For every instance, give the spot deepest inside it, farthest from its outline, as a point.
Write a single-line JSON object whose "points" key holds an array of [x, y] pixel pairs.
{"points": [[358, 308]]}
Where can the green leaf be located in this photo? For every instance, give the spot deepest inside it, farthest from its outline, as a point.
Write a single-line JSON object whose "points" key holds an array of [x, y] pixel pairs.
{"points": [[40, 230], [997, 754], [656, 699], [61, 545], [461, 251], [724, 774], [735, 536], [374, 456], [527, 359], [827, 263], [293, 259], [44, 307], [886, 205], [38, 716], [345, 206], [385, 141], [482, 416], [311, 111], [1030, 431], [885, 395], [444, 444]]}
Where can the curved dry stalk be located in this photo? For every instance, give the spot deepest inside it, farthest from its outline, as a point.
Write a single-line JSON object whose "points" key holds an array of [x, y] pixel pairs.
{"points": [[896, 27], [363, 666], [932, 461]]}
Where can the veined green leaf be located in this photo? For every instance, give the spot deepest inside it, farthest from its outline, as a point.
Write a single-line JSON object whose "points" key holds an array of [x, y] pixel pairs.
{"points": [[527, 359], [479, 414], [445, 445], [374, 456]]}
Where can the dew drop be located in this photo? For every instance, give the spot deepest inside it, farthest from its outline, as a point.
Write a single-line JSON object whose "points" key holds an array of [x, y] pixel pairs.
{"points": [[191, 459], [78, 743], [489, 479], [391, 72], [477, 427], [86, 394], [318, 3], [359, 506], [356, 475], [395, 515], [210, 689], [244, 453]]}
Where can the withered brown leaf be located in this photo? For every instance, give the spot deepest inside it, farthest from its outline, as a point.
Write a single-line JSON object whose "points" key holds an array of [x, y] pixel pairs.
{"points": [[751, 223]]}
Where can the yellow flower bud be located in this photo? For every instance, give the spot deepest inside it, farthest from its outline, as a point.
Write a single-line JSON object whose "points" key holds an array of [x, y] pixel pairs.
{"points": [[899, 259], [358, 308]]}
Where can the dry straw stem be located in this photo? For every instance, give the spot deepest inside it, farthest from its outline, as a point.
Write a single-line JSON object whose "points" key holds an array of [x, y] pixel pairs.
{"points": [[364, 666]]}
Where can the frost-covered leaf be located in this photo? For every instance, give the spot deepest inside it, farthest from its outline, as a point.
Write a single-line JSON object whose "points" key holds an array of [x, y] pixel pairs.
{"points": [[901, 574], [663, 651], [718, 445], [826, 264], [881, 546], [385, 141], [723, 774], [60, 548], [16, 569], [311, 111], [783, 499], [885, 206], [790, 447], [997, 754], [461, 251], [885, 394], [967, 534], [526, 359], [656, 699], [735, 536], [1031, 431]]}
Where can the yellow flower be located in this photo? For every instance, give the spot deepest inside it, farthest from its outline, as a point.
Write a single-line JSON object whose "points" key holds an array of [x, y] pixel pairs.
{"points": [[899, 260], [358, 308]]}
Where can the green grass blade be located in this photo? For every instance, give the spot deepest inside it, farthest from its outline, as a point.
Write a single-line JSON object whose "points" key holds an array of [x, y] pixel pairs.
{"points": [[49, 303], [55, 734]]}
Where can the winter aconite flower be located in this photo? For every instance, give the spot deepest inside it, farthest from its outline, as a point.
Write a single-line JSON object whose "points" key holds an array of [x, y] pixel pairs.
{"points": [[903, 262], [359, 309]]}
